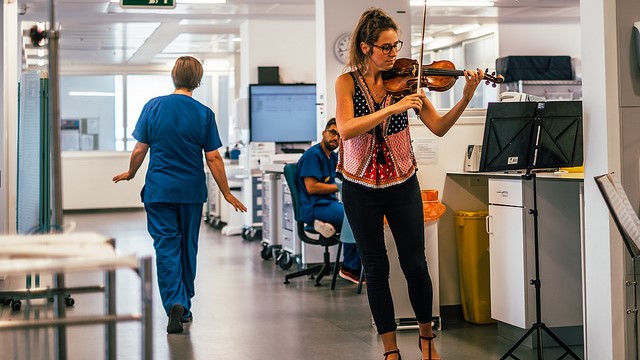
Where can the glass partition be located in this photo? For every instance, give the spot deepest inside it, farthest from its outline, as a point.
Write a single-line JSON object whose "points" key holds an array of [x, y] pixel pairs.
{"points": [[99, 112]]}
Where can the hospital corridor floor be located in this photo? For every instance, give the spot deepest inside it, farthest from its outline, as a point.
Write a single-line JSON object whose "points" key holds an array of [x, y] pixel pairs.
{"points": [[242, 310]]}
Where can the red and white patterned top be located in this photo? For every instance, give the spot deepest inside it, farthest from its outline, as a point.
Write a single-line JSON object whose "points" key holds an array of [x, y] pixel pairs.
{"points": [[383, 156]]}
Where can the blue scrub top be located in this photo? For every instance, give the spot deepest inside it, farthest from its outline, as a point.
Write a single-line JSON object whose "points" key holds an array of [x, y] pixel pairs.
{"points": [[314, 163], [177, 129]]}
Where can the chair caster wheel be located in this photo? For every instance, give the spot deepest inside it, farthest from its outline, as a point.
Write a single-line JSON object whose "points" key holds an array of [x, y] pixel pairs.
{"points": [[266, 253]]}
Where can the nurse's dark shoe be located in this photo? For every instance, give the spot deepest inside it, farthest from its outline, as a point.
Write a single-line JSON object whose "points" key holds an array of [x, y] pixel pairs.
{"points": [[187, 318], [175, 315]]}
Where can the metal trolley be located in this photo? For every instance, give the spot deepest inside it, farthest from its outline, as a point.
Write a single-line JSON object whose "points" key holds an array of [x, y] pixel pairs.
{"points": [[62, 253]]}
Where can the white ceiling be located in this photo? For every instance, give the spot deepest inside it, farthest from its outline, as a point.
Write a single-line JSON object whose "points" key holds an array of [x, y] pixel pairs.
{"points": [[99, 33]]}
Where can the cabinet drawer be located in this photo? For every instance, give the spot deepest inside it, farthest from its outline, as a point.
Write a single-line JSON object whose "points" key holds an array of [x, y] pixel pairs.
{"points": [[505, 192]]}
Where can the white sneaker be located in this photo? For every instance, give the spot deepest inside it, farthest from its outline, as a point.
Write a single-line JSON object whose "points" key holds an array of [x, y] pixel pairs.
{"points": [[325, 229]]}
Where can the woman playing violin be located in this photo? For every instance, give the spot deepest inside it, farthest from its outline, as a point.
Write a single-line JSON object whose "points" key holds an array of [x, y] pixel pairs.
{"points": [[378, 166]]}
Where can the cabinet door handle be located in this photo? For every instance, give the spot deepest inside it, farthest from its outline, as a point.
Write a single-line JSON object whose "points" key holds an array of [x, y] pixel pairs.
{"points": [[504, 193], [487, 226]]}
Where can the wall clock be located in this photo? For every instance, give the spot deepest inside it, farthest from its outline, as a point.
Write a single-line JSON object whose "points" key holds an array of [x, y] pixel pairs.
{"points": [[341, 47]]}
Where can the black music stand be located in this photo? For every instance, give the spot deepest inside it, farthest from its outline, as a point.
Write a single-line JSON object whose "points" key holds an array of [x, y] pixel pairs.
{"points": [[533, 135], [628, 225]]}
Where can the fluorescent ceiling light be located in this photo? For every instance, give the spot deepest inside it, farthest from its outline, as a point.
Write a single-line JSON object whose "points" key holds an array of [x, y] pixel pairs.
{"points": [[91, 93], [204, 21], [464, 28], [444, 3]]}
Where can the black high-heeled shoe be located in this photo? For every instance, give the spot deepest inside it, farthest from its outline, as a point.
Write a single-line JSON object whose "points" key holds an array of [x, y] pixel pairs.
{"points": [[430, 339], [392, 352]]}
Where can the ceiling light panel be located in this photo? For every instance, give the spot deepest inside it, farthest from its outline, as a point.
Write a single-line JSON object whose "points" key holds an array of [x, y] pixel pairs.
{"points": [[198, 43], [441, 3], [204, 21]]}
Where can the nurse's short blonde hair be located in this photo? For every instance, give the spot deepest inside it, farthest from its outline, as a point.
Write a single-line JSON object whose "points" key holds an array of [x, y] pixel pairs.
{"points": [[187, 73]]}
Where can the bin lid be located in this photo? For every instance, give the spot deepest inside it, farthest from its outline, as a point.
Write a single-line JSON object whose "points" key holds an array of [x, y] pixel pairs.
{"points": [[477, 213]]}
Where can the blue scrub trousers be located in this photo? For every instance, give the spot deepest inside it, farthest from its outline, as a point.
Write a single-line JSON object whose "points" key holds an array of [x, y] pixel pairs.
{"points": [[174, 229], [332, 212]]}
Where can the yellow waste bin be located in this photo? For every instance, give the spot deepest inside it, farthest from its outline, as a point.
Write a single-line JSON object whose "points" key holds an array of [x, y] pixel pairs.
{"points": [[473, 266]]}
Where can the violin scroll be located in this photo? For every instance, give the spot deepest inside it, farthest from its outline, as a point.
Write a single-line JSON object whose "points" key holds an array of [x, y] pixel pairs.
{"points": [[492, 78]]}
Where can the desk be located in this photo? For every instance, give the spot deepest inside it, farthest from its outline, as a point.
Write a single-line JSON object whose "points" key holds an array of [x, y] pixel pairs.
{"points": [[511, 235]]}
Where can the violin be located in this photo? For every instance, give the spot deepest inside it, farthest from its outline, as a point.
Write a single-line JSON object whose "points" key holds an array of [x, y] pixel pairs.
{"points": [[440, 75]]}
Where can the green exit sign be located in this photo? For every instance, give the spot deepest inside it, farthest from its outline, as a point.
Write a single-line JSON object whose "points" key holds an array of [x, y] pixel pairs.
{"points": [[148, 4]]}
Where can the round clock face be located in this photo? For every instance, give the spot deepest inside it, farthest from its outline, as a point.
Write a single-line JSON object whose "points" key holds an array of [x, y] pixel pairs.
{"points": [[341, 47]]}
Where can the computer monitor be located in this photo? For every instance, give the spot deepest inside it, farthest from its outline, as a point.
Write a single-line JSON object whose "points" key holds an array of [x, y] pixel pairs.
{"points": [[532, 135], [282, 113]]}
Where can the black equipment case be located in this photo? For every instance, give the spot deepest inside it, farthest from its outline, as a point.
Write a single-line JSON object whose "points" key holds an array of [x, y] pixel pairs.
{"points": [[515, 68]]}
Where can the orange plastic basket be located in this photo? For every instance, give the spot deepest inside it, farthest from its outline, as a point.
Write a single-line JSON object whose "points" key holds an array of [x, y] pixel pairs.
{"points": [[431, 206]]}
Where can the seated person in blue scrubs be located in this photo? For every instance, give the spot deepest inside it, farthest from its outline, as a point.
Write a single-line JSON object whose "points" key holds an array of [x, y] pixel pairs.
{"points": [[178, 129], [318, 201]]}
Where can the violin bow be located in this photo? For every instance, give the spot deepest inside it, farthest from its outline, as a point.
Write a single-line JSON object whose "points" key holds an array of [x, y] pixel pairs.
{"points": [[424, 25]]}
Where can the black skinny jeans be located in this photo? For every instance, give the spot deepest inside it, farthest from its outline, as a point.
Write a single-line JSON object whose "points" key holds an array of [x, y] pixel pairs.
{"points": [[402, 205]]}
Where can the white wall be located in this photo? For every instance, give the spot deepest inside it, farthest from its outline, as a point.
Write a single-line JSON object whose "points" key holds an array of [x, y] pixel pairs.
{"points": [[602, 249], [541, 39], [289, 44], [87, 185]]}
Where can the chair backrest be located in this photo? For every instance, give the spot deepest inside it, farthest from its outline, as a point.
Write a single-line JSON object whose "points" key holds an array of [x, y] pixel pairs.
{"points": [[621, 211], [291, 174]]}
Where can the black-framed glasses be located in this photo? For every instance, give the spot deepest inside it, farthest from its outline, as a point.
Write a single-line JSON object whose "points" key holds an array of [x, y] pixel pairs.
{"points": [[386, 48], [333, 132]]}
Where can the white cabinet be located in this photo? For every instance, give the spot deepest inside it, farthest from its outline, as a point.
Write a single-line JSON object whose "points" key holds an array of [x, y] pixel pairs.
{"points": [[512, 253], [506, 256]]}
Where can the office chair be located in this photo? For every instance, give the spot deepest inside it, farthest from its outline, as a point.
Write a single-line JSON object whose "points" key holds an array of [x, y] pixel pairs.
{"points": [[306, 234]]}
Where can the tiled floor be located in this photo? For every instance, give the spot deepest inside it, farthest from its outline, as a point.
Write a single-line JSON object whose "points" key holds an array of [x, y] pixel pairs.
{"points": [[242, 310]]}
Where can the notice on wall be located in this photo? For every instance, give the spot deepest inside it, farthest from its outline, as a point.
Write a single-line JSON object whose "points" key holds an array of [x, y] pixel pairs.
{"points": [[93, 126], [426, 151]]}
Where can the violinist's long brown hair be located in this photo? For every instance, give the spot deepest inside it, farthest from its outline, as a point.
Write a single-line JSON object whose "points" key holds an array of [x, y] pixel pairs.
{"points": [[372, 22]]}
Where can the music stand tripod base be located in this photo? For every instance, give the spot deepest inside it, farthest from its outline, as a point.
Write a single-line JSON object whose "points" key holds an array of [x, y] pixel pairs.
{"points": [[538, 327]]}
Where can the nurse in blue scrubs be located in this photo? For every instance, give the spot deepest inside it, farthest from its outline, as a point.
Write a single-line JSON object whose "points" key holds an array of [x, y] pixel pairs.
{"points": [[177, 130]]}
